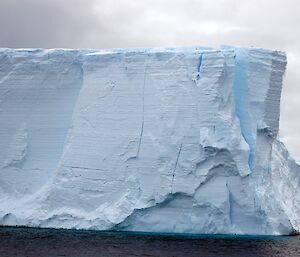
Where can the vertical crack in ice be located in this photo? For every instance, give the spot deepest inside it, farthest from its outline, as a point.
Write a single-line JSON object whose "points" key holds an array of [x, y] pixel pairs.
{"points": [[241, 94], [175, 166], [143, 111], [230, 203], [199, 66]]}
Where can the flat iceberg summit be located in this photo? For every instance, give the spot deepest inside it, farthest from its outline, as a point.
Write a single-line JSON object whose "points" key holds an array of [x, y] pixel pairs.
{"points": [[178, 140]]}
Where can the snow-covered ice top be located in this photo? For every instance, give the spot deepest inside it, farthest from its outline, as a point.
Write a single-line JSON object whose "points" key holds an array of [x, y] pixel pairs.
{"points": [[179, 140]]}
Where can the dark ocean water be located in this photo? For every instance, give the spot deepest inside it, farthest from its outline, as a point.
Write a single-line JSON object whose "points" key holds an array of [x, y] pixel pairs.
{"points": [[27, 242]]}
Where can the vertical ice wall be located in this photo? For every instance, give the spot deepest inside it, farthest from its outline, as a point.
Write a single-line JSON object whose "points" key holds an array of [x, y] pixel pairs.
{"points": [[158, 140]]}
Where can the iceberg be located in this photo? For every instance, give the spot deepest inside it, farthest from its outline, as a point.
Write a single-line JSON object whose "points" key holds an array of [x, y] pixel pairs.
{"points": [[175, 140]]}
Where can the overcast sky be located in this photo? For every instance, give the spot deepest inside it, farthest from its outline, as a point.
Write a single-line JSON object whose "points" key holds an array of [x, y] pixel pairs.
{"points": [[146, 23]]}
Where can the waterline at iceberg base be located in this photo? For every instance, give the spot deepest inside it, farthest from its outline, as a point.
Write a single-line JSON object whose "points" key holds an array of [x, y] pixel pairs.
{"points": [[176, 140]]}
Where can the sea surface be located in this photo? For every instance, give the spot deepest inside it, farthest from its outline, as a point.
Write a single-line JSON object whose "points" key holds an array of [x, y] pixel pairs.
{"points": [[29, 242]]}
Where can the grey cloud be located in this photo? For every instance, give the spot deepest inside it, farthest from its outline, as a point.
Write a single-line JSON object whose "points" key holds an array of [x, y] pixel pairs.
{"points": [[48, 24]]}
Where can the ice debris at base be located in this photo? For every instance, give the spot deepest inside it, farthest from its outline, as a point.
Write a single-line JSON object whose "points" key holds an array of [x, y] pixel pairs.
{"points": [[180, 140]]}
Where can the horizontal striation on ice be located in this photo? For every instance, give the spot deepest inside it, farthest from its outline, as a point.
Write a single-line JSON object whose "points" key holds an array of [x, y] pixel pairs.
{"points": [[179, 140]]}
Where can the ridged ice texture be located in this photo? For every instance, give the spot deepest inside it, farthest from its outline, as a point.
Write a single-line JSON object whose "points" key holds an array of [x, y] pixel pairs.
{"points": [[180, 140]]}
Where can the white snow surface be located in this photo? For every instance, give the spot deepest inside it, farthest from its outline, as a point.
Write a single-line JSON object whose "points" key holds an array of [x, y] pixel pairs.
{"points": [[178, 140]]}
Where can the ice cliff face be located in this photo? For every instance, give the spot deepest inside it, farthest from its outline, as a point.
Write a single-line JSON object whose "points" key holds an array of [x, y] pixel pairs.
{"points": [[160, 140]]}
